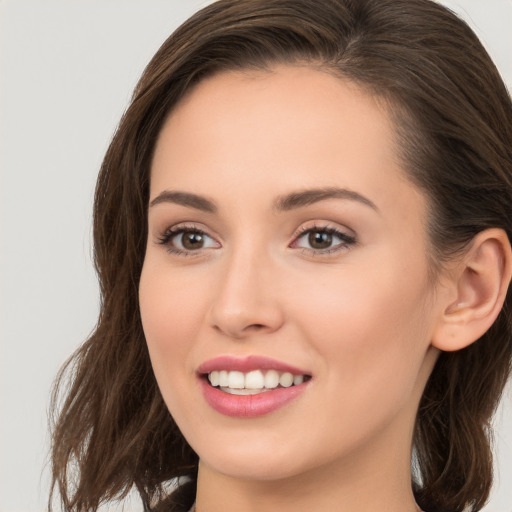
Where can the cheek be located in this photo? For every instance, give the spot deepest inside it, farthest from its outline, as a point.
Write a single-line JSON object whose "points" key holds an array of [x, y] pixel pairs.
{"points": [[369, 326], [370, 333], [171, 311], [170, 301]]}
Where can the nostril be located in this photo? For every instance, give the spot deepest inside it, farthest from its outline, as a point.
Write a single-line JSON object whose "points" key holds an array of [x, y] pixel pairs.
{"points": [[240, 322], [255, 327]]}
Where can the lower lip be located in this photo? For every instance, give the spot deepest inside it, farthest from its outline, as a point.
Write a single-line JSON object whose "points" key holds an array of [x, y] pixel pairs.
{"points": [[249, 406]]}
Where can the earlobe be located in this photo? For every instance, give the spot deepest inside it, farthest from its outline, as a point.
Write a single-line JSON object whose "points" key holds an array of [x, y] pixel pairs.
{"points": [[479, 282]]}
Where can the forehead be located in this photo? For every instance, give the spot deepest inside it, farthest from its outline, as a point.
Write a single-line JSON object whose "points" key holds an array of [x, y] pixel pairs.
{"points": [[291, 127], [289, 98]]}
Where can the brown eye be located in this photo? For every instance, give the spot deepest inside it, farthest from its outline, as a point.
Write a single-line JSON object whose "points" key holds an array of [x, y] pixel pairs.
{"points": [[183, 241], [320, 240], [191, 240], [323, 240]]}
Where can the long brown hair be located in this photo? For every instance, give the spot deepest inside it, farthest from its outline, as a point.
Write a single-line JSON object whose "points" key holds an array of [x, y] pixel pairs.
{"points": [[453, 118]]}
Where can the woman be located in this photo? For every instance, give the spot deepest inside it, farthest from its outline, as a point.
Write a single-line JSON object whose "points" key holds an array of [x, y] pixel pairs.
{"points": [[302, 235]]}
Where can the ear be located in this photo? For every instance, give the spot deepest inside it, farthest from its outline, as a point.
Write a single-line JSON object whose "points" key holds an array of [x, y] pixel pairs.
{"points": [[477, 287]]}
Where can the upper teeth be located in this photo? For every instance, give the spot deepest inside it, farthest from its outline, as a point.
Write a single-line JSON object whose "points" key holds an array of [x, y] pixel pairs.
{"points": [[254, 380]]}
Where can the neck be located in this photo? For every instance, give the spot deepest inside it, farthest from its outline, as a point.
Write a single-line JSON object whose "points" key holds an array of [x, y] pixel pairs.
{"points": [[375, 478]]}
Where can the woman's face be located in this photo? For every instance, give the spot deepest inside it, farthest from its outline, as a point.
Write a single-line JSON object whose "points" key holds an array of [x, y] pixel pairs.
{"points": [[285, 239]]}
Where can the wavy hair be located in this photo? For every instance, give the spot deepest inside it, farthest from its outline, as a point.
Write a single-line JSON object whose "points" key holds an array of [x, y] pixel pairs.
{"points": [[453, 118]]}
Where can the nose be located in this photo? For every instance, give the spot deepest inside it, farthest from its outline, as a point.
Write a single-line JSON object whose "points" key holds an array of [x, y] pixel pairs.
{"points": [[246, 300]]}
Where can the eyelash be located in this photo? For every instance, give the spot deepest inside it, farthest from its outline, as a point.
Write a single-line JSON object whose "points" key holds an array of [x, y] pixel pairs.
{"points": [[346, 240], [174, 231]]}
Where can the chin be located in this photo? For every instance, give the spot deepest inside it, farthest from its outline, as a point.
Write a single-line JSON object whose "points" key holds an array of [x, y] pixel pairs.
{"points": [[249, 457], [262, 468]]}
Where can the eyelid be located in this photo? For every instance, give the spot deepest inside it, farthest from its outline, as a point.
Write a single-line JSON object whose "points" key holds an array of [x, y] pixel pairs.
{"points": [[175, 230], [347, 239]]}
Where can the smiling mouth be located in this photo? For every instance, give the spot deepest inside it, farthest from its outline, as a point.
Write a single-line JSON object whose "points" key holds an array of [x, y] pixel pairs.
{"points": [[253, 382]]}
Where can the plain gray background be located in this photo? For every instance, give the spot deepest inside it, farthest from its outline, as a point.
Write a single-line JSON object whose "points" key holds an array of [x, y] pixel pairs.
{"points": [[67, 69]]}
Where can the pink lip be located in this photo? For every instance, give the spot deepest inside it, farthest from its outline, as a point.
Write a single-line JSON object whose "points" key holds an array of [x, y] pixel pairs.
{"points": [[247, 364], [248, 406]]}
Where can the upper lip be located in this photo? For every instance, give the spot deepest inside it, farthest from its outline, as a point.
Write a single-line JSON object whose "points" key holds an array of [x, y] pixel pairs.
{"points": [[247, 364]]}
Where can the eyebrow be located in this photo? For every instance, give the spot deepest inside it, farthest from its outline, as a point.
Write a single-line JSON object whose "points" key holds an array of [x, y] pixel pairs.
{"points": [[185, 199], [310, 196], [287, 202]]}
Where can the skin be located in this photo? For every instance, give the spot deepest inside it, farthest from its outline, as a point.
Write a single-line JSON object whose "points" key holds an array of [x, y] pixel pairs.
{"points": [[360, 319]]}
